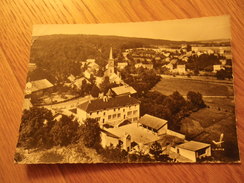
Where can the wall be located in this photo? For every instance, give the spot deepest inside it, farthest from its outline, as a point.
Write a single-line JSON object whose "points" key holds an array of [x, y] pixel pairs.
{"points": [[116, 115], [191, 155], [107, 140]]}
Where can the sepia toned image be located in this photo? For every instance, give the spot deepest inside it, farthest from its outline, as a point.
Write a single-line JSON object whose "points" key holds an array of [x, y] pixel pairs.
{"points": [[146, 92]]}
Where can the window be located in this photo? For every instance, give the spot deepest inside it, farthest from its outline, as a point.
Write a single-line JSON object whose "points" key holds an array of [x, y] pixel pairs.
{"points": [[90, 113], [109, 116], [104, 113], [114, 109], [118, 115], [135, 112], [123, 110], [98, 119], [114, 115], [118, 109], [135, 119], [129, 113], [97, 112], [201, 151]]}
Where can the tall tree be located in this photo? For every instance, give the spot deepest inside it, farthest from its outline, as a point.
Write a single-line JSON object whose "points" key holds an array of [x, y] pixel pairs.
{"points": [[91, 134]]}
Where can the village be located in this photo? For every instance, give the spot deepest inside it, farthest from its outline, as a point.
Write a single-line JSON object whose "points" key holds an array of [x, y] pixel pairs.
{"points": [[117, 110]]}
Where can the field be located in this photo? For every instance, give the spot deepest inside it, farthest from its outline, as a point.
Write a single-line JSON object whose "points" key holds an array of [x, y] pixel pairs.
{"points": [[168, 85], [207, 124]]}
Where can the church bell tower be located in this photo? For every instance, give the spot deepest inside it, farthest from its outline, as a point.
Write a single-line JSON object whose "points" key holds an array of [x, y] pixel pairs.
{"points": [[110, 66]]}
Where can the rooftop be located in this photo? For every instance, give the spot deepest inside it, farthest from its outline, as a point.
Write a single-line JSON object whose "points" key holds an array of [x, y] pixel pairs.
{"points": [[137, 133], [101, 104], [121, 90], [152, 121], [193, 145], [40, 85]]}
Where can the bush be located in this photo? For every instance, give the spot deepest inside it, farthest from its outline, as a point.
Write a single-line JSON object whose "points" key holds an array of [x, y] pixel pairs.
{"points": [[18, 157]]}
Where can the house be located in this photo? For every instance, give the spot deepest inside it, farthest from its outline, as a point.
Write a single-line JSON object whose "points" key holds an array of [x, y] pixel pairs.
{"points": [[32, 67], [90, 60], [181, 69], [123, 90], [110, 110], [79, 82], [194, 150], [217, 68], [155, 124], [71, 78], [27, 104], [121, 65], [38, 87], [145, 66]]}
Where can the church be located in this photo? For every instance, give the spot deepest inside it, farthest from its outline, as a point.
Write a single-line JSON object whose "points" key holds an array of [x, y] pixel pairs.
{"points": [[110, 70]]}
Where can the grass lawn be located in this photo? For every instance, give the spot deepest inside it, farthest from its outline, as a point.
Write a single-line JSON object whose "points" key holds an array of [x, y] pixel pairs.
{"points": [[168, 85]]}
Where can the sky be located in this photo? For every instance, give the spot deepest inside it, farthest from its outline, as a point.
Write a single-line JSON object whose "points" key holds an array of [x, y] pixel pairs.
{"points": [[195, 29]]}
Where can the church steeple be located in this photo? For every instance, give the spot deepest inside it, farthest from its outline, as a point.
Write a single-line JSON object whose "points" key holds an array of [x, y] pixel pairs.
{"points": [[110, 65], [111, 53]]}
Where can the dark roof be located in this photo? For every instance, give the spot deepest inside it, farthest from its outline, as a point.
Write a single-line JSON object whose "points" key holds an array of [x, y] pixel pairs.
{"points": [[152, 121], [115, 102]]}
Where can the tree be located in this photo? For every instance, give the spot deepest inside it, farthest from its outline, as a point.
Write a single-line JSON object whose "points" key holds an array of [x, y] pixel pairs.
{"points": [[64, 132], [105, 85], [156, 150], [36, 124], [95, 91], [195, 100], [91, 136]]}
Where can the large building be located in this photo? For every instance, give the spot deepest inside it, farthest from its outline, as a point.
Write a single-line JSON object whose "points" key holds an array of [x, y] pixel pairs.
{"points": [[111, 111]]}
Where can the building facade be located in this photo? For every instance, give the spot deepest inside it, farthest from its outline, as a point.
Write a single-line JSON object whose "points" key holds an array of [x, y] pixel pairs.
{"points": [[111, 111]]}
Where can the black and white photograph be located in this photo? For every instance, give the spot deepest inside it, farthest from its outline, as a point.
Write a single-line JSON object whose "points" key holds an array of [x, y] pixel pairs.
{"points": [[143, 92]]}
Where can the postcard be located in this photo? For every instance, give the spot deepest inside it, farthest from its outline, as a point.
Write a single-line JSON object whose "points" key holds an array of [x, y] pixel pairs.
{"points": [[145, 92]]}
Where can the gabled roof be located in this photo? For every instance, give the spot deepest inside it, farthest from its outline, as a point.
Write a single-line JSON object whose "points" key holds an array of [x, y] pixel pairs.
{"points": [[121, 90], [100, 104], [152, 121], [193, 145], [40, 85]]}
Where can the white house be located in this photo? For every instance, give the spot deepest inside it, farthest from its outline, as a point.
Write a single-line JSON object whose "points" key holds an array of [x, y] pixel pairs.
{"points": [[217, 68], [181, 69], [194, 150], [110, 111]]}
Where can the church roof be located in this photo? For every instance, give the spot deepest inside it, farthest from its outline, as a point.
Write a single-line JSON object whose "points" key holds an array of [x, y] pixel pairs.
{"points": [[152, 121], [101, 104]]}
